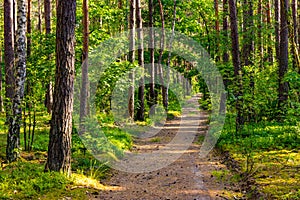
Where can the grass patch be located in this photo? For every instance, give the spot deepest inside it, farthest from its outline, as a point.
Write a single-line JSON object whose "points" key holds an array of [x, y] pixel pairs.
{"points": [[270, 153]]}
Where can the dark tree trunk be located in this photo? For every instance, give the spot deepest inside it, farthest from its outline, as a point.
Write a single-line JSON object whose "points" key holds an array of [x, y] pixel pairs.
{"points": [[283, 88], [59, 149], [237, 65], [139, 24], [49, 92], [9, 55], [277, 28], [28, 28], [84, 71], [151, 50], [12, 140], [131, 58]]}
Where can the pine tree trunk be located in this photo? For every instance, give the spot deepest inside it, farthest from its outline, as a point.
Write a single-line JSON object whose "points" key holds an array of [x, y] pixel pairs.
{"points": [[237, 65], [161, 51], [225, 31], [39, 24], [9, 56], [141, 91], [131, 58], [283, 88], [277, 28], [294, 34], [84, 71], [270, 57], [13, 139], [59, 149], [248, 40], [151, 50], [217, 27], [259, 33]]}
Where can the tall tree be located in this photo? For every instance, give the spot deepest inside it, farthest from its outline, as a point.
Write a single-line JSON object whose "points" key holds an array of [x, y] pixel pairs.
{"points": [[9, 55], [49, 92], [59, 149], [237, 65], [161, 51], [294, 35], [166, 103], [139, 24], [131, 57], [283, 88], [277, 28], [259, 32], [225, 30], [270, 57], [84, 73], [151, 50], [217, 27], [15, 123]]}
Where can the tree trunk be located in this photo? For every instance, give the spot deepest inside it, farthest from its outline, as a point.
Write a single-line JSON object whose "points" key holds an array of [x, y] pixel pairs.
{"points": [[166, 103], [270, 57], [283, 88], [9, 56], [161, 51], [294, 34], [225, 30], [59, 149], [1, 97], [29, 27], [259, 33], [131, 58], [151, 50], [248, 40], [84, 71], [277, 28], [141, 91], [39, 24], [15, 123], [217, 27], [49, 92], [237, 65]]}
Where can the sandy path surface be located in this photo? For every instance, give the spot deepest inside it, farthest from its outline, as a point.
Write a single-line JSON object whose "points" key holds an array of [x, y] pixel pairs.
{"points": [[189, 177]]}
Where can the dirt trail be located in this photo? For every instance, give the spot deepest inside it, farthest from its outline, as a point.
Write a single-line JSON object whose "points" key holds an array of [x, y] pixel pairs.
{"points": [[189, 177]]}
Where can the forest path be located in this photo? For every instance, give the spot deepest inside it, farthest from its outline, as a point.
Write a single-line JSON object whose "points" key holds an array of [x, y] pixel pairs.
{"points": [[189, 177]]}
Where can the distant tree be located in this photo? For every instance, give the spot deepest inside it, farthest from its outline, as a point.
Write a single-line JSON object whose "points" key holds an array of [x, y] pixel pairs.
{"points": [[277, 28], [59, 149]]}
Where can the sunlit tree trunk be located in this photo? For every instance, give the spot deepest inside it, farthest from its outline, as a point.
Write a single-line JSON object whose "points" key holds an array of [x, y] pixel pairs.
{"points": [[59, 149], [20, 73], [139, 24], [237, 65]]}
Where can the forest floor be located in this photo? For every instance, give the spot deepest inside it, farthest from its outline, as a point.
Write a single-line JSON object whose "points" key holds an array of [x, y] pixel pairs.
{"points": [[189, 177]]}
